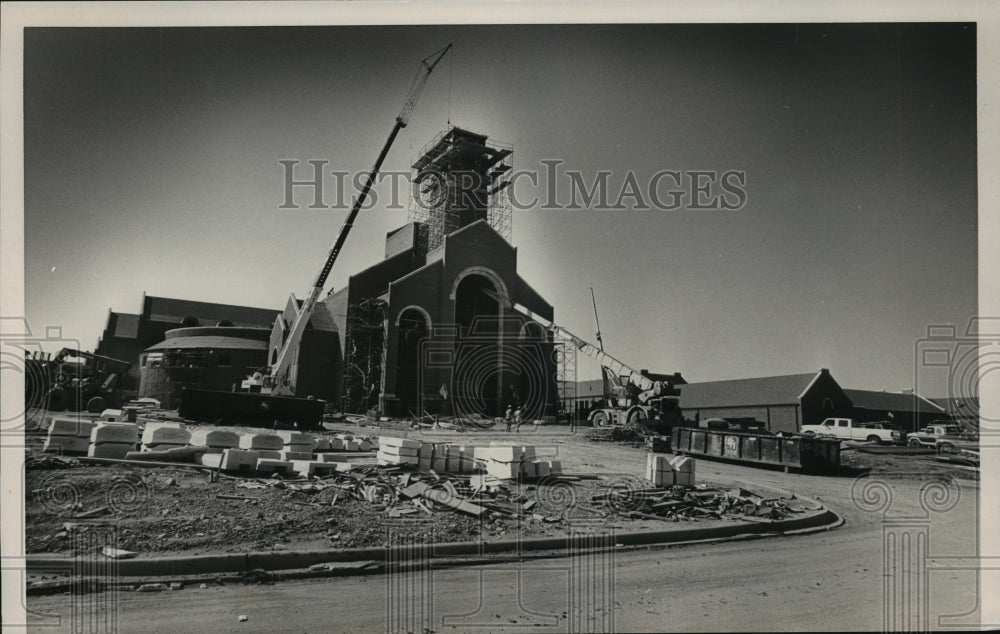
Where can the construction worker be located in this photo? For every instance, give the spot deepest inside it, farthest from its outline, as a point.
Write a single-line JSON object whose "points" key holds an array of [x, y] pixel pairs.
{"points": [[509, 416], [517, 419]]}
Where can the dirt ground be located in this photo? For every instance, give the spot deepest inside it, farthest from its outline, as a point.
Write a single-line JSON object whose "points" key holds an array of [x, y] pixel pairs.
{"points": [[175, 509]]}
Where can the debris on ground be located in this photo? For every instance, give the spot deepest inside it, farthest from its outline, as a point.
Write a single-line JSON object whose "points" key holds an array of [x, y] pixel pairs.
{"points": [[614, 434]]}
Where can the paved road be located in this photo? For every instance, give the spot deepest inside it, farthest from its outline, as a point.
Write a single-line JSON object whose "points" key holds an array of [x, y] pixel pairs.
{"points": [[827, 581]]}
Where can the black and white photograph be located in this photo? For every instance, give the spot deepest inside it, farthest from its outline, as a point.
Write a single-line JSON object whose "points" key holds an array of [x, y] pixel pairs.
{"points": [[608, 317]]}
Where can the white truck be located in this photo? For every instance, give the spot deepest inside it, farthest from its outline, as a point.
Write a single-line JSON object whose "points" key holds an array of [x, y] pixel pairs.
{"points": [[849, 429]]}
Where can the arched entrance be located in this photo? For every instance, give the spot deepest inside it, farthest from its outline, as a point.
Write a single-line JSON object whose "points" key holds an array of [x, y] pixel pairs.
{"points": [[412, 328], [477, 380]]}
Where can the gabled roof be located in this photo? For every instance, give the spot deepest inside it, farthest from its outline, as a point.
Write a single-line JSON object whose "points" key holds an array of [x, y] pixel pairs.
{"points": [[767, 390], [892, 401], [175, 310], [966, 405]]}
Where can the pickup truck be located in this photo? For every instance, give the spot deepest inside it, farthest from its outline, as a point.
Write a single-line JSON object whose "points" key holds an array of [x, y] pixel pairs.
{"points": [[944, 438], [849, 429]]}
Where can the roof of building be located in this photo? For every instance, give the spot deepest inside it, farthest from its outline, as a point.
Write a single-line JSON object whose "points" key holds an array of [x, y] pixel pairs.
{"points": [[959, 405], [126, 325], [892, 401], [175, 310], [209, 342], [767, 390]]}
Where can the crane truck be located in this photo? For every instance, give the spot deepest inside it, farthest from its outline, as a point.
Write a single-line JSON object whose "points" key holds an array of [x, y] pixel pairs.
{"points": [[271, 395], [645, 402]]}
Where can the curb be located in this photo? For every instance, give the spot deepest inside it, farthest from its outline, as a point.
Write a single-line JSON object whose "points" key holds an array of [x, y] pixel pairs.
{"points": [[289, 560]]}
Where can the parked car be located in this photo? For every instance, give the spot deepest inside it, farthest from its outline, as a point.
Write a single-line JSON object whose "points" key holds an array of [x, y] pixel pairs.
{"points": [[849, 429]]}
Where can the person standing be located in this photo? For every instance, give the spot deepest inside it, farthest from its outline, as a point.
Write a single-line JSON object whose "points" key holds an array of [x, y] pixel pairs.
{"points": [[509, 416], [517, 419]]}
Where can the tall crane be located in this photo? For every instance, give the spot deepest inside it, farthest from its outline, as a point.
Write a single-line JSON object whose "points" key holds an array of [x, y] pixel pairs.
{"points": [[277, 379], [270, 396]]}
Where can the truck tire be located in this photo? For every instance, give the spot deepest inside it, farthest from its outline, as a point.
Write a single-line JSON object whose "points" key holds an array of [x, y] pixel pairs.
{"points": [[600, 419], [914, 442], [946, 447], [57, 399], [810, 433], [97, 405], [637, 419], [875, 439]]}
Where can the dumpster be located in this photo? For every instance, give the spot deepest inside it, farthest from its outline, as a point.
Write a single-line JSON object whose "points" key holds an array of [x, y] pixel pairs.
{"points": [[816, 455]]}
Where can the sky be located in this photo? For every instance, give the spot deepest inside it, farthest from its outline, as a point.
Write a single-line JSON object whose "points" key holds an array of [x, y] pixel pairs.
{"points": [[152, 165]]}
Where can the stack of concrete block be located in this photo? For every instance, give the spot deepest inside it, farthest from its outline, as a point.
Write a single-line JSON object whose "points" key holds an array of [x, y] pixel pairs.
{"points": [[165, 435], [541, 468], [217, 440], [231, 460], [69, 435], [113, 440], [664, 471], [297, 441], [272, 465], [425, 456], [307, 468], [683, 468], [504, 461], [398, 451], [112, 416]]}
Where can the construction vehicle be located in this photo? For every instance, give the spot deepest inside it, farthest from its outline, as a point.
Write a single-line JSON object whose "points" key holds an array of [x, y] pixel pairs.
{"points": [[83, 381], [271, 394], [645, 402]]}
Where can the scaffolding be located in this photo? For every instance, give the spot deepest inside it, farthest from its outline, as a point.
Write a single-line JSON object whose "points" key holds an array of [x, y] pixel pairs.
{"points": [[564, 355], [364, 350], [459, 179]]}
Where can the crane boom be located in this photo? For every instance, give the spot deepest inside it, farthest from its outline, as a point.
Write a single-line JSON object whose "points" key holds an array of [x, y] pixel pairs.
{"points": [[278, 373]]}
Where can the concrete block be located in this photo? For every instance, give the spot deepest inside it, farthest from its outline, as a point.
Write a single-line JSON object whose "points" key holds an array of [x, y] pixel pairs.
{"points": [[296, 455], [336, 444], [322, 444], [390, 441], [503, 470], [290, 437], [270, 454], [67, 444], [267, 465], [111, 415], [365, 445], [452, 464], [71, 427], [555, 467], [529, 469], [308, 468], [399, 451], [329, 457], [683, 478], [213, 460], [237, 460], [438, 463], [123, 433], [215, 438], [166, 433], [116, 450], [425, 464], [426, 450], [504, 453], [354, 445], [682, 464], [261, 441], [542, 469]]}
